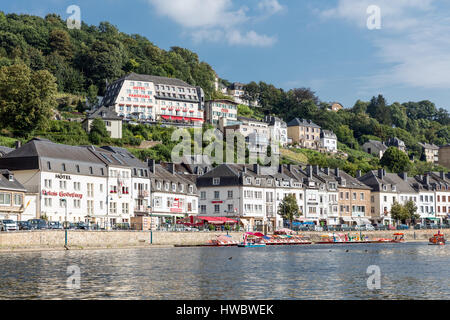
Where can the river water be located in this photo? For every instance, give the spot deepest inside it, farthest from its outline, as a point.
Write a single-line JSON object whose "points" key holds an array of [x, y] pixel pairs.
{"points": [[408, 271]]}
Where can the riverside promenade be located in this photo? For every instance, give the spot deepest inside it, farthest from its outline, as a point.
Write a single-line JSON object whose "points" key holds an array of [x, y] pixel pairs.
{"points": [[80, 240]]}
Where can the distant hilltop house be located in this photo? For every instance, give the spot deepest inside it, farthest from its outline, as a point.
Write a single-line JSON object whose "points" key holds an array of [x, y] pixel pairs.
{"points": [[304, 133], [112, 121], [377, 148], [397, 143], [431, 152], [444, 156], [336, 106], [374, 147], [221, 110], [328, 140], [278, 129], [236, 90]]}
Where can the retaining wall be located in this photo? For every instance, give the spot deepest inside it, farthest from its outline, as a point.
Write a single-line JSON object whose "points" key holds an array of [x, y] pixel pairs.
{"points": [[117, 239]]}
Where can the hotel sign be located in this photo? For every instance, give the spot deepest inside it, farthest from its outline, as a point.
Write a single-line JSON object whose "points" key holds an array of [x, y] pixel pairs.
{"points": [[62, 194], [62, 177]]}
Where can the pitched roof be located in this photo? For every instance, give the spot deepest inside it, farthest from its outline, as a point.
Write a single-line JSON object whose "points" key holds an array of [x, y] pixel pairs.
{"points": [[6, 184], [428, 146], [302, 122], [104, 113], [156, 80], [378, 144], [37, 152], [5, 150]]}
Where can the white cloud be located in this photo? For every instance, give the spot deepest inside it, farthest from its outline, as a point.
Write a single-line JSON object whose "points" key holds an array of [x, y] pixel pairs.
{"points": [[270, 6], [217, 20], [412, 43]]}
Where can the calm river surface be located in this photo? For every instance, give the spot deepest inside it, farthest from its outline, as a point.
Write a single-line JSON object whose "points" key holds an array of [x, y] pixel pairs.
{"points": [[408, 271]]}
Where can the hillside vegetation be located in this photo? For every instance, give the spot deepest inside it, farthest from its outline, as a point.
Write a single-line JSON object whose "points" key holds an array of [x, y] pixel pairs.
{"points": [[48, 71]]}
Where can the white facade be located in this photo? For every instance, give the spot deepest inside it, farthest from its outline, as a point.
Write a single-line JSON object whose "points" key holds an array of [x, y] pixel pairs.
{"points": [[155, 99]]}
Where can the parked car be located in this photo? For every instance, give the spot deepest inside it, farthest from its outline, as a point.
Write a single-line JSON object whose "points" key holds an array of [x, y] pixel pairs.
{"points": [[345, 227], [419, 226], [365, 227], [379, 227], [402, 227], [81, 226], [37, 224], [23, 225], [55, 226], [122, 226], [8, 225]]}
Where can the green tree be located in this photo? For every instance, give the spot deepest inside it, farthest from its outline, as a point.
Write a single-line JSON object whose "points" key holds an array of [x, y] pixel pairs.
{"points": [[26, 98], [411, 207], [395, 160], [399, 212], [288, 208], [98, 133]]}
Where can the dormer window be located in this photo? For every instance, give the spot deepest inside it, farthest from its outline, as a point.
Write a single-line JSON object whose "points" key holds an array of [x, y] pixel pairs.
{"points": [[11, 177], [394, 188], [248, 180], [216, 181], [166, 186], [258, 182], [384, 187]]}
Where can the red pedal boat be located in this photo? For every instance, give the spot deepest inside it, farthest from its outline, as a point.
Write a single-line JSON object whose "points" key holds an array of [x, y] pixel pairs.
{"points": [[438, 239]]}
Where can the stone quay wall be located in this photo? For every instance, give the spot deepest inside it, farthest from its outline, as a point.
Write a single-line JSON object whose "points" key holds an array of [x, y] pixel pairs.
{"points": [[119, 239]]}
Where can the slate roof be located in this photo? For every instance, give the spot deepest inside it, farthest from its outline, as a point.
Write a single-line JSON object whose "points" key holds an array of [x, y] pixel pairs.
{"points": [[302, 122], [37, 153], [155, 79], [429, 146], [5, 150], [104, 113], [378, 144], [5, 184]]}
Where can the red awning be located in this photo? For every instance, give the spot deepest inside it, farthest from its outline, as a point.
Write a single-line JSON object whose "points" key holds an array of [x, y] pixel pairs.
{"points": [[217, 220]]}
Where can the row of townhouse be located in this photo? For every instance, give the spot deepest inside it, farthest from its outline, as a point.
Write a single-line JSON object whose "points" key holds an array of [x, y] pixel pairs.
{"points": [[430, 193], [253, 194], [104, 186]]}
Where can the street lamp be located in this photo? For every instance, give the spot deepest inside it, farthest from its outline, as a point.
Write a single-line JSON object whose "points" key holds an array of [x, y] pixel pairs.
{"points": [[151, 224], [66, 222]]}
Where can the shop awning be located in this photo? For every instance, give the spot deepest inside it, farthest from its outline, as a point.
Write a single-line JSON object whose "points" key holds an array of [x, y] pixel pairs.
{"points": [[216, 220], [347, 219]]}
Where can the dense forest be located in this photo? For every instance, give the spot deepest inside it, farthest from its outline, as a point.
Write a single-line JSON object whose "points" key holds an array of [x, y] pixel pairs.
{"points": [[87, 58], [42, 60]]}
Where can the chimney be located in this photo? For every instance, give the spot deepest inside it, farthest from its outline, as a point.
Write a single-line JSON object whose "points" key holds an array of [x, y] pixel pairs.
{"points": [[327, 171], [171, 168], [151, 164], [358, 174], [316, 169], [442, 175], [280, 168], [257, 169], [337, 172], [18, 144], [244, 170], [289, 167], [426, 179], [404, 176], [309, 171], [381, 173]]}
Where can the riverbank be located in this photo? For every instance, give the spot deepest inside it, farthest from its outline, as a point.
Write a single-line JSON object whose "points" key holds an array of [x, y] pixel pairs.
{"points": [[87, 240]]}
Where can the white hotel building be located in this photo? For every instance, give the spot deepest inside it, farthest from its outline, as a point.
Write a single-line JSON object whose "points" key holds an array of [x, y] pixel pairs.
{"points": [[153, 98], [97, 183]]}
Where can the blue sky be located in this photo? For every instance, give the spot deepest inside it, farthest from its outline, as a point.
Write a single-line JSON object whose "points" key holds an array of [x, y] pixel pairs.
{"points": [[324, 45]]}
